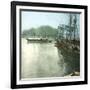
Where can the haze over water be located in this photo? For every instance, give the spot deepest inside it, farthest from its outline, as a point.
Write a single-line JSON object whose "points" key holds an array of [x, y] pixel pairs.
{"points": [[41, 60]]}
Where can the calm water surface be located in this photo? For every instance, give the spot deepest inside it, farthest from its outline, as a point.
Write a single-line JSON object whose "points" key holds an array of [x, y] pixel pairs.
{"points": [[42, 60]]}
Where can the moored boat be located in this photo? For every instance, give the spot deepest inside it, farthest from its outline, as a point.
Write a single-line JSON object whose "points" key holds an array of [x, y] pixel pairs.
{"points": [[38, 40]]}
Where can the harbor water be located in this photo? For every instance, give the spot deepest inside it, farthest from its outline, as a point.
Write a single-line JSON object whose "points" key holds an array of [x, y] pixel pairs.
{"points": [[42, 60]]}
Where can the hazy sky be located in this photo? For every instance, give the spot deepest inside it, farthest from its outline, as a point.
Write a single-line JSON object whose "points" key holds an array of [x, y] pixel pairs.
{"points": [[35, 19]]}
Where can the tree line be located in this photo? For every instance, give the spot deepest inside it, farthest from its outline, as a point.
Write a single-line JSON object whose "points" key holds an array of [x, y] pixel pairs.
{"points": [[44, 31]]}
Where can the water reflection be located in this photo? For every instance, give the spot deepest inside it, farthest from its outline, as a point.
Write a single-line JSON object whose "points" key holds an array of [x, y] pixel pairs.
{"points": [[41, 60], [46, 60]]}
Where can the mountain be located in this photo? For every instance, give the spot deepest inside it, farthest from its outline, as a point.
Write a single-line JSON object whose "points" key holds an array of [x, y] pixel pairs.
{"points": [[42, 31]]}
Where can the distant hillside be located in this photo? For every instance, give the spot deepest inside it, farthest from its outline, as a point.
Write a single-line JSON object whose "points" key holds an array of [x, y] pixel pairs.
{"points": [[42, 31]]}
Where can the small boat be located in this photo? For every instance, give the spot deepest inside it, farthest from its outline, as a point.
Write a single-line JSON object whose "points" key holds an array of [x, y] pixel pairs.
{"points": [[38, 40]]}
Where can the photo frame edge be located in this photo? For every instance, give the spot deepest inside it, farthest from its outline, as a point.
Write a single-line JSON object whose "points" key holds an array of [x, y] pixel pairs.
{"points": [[13, 50]]}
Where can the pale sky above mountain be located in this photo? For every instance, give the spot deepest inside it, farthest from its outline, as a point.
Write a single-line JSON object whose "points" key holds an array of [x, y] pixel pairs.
{"points": [[35, 19]]}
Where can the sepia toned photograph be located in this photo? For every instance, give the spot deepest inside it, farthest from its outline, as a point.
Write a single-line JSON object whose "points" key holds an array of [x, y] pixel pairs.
{"points": [[50, 44]]}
